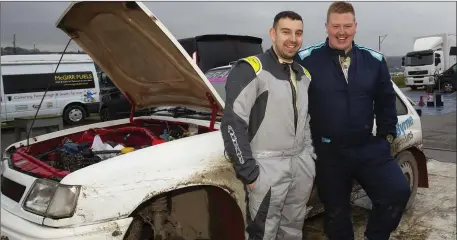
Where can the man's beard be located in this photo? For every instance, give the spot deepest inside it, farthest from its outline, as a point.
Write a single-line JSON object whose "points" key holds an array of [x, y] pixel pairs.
{"points": [[284, 55]]}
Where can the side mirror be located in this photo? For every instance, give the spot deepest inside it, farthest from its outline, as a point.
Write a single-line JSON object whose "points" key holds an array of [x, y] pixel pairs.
{"points": [[419, 112], [437, 60], [403, 61]]}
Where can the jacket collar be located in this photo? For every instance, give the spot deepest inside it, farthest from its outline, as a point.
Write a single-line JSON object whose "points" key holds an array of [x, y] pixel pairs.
{"points": [[295, 66], [337, 52]]}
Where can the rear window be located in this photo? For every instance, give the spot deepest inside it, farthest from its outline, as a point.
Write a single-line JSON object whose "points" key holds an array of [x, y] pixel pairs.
{"points": [[212, 54], [218, 78]]}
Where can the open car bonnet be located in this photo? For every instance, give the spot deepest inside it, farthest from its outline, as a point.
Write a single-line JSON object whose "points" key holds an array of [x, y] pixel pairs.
{"points": [[139, 54]]}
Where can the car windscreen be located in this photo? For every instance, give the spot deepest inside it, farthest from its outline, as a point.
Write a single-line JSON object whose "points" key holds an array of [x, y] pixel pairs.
{"points": [[218, 78]]}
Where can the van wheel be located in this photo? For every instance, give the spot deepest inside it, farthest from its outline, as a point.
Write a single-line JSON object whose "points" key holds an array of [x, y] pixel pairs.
{"points": [[74, 114], [413, 87], [409, 168]]}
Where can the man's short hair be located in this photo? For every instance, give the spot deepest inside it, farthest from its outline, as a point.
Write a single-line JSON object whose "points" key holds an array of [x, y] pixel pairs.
{"points": [[340, 7], [286, 14]]}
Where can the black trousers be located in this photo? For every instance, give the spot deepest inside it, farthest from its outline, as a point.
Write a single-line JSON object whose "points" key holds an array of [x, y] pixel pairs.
{"points": [[373, 166]]}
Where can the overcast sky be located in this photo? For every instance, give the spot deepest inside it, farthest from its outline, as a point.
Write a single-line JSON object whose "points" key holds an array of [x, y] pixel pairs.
{"points": [[34, 22]]}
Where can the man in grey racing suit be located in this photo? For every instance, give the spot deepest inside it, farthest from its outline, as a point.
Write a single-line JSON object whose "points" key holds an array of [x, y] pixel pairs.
{"points": [[266, 133]]}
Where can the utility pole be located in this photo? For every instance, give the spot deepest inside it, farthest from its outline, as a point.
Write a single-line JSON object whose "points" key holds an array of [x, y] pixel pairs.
{"points": [[380, 41], [14, 43]]}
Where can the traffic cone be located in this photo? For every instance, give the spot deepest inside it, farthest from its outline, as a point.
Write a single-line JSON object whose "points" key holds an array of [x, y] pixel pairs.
{"points": [[421, 101], [430, 100]]}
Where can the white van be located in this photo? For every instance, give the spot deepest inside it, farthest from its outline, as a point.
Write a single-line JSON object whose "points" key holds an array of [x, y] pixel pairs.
{"points": [[73, 90]]}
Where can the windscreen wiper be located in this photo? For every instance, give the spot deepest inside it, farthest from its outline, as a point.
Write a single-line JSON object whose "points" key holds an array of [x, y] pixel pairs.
{"points": [[180, 112]]}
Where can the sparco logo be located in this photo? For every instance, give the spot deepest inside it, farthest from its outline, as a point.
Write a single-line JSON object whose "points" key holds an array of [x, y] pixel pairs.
{"points": [[235, 144]]}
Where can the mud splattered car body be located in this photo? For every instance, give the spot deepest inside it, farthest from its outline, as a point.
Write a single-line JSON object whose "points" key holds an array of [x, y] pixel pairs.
{"points": [[177, 181]]}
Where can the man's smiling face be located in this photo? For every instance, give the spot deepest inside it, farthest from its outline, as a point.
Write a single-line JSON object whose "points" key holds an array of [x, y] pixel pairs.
{"points": [[341, 29]]}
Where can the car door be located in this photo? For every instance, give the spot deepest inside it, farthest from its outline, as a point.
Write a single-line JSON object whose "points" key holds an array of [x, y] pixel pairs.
{"points": [[408, 126]]}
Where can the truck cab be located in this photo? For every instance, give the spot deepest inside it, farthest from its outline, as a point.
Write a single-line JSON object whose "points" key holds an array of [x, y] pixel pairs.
{"points": [[429, 58]]}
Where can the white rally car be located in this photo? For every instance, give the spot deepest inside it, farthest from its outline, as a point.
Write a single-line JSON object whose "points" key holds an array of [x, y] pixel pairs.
{"points": [[163, 176]]}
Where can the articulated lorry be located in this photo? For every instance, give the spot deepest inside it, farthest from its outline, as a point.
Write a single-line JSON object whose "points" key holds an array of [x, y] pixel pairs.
{"points": [[429, 58]]}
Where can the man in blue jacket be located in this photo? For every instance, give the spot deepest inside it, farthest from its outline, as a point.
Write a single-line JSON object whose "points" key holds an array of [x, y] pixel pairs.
{"points": [[350, 86]]}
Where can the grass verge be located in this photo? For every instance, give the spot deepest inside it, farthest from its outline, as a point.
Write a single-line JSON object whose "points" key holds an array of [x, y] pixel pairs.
{"points": [[399, 81]]}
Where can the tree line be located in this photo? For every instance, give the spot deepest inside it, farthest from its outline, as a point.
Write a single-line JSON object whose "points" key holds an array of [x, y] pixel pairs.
{"points": [[23, 51]]}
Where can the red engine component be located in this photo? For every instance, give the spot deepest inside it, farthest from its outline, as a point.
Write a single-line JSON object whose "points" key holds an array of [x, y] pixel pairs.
{"points": [[129, 136]]}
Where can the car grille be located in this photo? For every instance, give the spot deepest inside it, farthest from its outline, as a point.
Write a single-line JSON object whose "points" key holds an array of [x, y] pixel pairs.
{"points": [[422, 72], [12, 189]]}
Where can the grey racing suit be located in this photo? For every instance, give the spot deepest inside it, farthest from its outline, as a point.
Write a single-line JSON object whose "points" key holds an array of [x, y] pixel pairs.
{"points": [[266, 135]]}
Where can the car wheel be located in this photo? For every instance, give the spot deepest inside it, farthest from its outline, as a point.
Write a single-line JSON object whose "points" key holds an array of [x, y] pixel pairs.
{"points": [[409, 168], [104, 114], [140, 230], [447, 87], [74, 114], [413, 88]]}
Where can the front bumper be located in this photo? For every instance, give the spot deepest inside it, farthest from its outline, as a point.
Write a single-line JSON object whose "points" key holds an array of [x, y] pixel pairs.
{"points": [[15, 228], [421, 81]]}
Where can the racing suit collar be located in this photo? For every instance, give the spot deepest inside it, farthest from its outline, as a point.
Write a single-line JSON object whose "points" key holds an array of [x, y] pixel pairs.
{"points": [[295, 66], [337, 52]]}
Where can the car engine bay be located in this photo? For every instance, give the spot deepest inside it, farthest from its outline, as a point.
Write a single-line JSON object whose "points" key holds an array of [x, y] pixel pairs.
{"points": [[57, 157]]}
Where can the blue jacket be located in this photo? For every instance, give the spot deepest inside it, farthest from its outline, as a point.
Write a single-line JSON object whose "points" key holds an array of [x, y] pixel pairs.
{"points": [[344, 111]]}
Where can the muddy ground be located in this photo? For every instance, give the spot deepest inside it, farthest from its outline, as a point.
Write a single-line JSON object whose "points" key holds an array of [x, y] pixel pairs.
{"points": [[432, 217]]}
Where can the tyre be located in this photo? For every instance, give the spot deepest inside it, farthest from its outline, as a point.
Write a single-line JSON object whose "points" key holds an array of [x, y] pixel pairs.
{"points": [[413, 87], [74, 114], [140, 230], [447, 87], [104, 114], [408, 166]]}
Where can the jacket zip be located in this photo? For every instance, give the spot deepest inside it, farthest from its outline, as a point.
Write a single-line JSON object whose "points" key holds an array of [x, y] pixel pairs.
{"points": [[294, 103]]}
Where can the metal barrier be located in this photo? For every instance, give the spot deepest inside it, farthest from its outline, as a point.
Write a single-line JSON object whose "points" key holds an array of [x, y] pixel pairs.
{"points": [[48, 122]]}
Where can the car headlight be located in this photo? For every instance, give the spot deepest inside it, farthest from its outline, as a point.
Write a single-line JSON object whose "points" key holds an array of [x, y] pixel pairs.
{"points": [[51, 199]]}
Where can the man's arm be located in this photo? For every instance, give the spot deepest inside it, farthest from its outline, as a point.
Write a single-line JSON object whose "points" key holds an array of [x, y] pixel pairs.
{"points": [[384, 103], [241, 92], [308, 138]]}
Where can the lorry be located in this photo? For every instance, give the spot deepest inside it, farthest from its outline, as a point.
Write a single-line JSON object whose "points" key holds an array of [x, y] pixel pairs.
{"points": [[429, 58]]}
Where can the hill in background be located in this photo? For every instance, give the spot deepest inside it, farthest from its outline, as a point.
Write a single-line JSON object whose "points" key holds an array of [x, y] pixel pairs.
{"points": [[393, 62], [25, 51]]}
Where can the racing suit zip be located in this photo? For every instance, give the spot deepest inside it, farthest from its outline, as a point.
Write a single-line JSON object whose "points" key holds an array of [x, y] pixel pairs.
{"points": [[294, 102]]}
